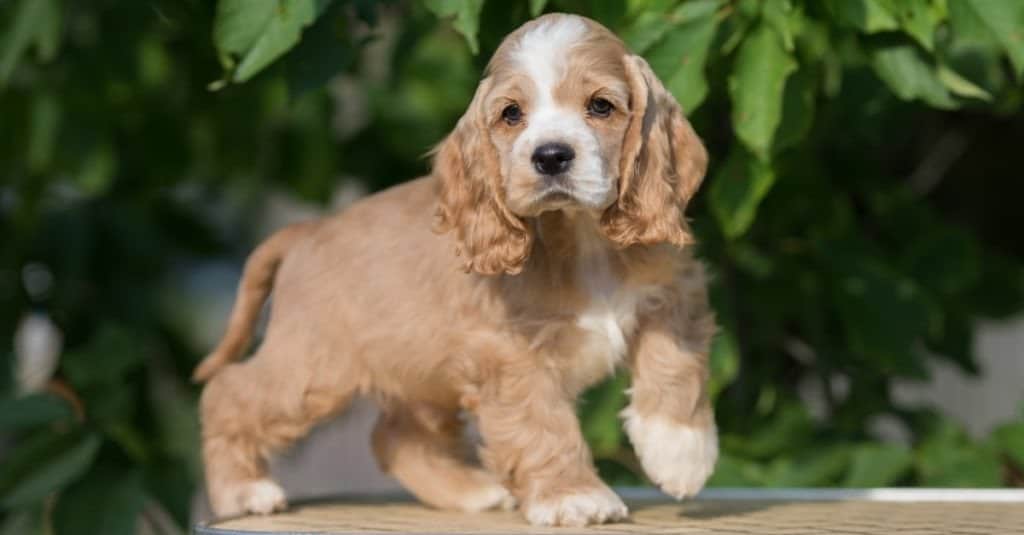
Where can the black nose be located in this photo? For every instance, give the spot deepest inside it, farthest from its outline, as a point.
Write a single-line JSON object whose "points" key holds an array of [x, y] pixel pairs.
{"points": [[553, 158]]}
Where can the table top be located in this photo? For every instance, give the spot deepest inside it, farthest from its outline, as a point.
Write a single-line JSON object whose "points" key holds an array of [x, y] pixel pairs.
{"points": [[732, 511]]}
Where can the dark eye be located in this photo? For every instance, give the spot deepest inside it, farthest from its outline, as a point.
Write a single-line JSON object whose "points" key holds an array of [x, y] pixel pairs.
{"points": [[599, 107], [512, 114]]}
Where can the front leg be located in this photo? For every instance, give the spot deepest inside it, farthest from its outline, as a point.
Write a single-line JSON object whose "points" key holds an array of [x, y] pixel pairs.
{"points": [[670, 420], [532, 440]]}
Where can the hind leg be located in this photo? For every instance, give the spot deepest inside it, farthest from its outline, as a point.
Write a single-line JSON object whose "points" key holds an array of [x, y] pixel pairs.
{"points": [[252, 409], [423, 448]]}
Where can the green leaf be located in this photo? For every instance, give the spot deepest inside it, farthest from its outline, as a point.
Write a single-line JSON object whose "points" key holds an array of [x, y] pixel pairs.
{"points": [[600, 408], [260, 32], [918, 19], [679, 60], [98, 170], [654, 24], [878, 465], [32, 411], [968, 27], [783, 18], [797, 110], [789, 428], [756, 87], [902, 67], [43, 130], [33, 21], [948, 459], [868, 16], [962, 86], [737, 190], [48, 35], [106, 501], [1003, 19], [819, 468], [732, 471], [467, 17], [724, 360], [1010, 439], [537, 7], [43, 464]]}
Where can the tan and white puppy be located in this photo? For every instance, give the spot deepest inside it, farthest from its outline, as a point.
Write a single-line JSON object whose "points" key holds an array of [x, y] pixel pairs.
{"points": [[562, 189]]}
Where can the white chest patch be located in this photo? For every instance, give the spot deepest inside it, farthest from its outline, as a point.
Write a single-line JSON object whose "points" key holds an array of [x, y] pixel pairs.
{"points": [[609, 322], [610, 317]]}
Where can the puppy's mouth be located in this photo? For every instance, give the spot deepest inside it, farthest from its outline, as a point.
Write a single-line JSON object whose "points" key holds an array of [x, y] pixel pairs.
{"points": [[559, 192], [554, 195]]}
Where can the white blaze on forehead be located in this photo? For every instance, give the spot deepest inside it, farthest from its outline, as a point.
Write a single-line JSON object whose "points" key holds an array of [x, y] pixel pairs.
{"points": [[542, 51], [542, 54]]}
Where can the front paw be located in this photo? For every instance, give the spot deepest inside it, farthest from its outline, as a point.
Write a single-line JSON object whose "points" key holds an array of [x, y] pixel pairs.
{"points": [[258, 496], [580, 508], [678, 458]]}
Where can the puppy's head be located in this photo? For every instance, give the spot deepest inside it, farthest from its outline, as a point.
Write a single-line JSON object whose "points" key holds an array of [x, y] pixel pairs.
{"points": [[566, 118]]}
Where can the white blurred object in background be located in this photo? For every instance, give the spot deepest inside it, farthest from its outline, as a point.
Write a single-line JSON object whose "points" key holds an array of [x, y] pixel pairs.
{"points": [[37, 346]]}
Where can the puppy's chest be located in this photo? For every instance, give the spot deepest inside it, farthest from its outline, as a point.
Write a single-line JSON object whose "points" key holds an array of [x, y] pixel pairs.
{"points": [[606, 323]]}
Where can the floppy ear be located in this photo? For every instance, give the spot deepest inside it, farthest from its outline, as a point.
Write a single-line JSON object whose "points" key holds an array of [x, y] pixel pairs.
{"points": [[471, 198], [663, 163]]}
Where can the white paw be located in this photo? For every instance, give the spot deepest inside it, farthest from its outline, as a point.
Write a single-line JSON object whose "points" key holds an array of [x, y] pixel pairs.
{"points": [[491, 497], [595, 506], [260, 496], [677, 458]]}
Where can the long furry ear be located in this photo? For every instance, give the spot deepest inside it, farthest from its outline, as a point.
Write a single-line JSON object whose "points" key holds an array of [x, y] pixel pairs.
{"points": [[663, 163], [471, 197]]}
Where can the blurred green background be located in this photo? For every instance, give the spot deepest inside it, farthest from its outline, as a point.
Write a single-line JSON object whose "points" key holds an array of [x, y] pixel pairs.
{"points": [[861, 217]]}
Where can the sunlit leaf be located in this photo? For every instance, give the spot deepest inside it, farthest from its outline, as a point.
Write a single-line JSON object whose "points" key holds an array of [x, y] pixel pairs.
{"points": [[537, 7], [654, 24], [869, 16], [466, 14], [1003, 19], [257, 33], [679, 60], [918, 19], [909, 75], [756, 87], [784, 18], [961, 86]]}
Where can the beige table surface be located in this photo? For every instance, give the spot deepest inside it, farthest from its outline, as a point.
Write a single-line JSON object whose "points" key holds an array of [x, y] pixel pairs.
{"points": [[721, 511]]}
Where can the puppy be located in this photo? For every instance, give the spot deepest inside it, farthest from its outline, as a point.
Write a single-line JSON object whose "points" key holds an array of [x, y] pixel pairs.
{"points": [[560, 194]]}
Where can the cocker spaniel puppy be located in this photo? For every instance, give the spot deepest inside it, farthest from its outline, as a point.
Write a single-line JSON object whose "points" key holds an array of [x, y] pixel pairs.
{"points": [[547, 248]]}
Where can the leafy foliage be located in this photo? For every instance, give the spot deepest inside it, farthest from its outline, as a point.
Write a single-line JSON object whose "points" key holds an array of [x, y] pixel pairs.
{"points": [[859, 217]]}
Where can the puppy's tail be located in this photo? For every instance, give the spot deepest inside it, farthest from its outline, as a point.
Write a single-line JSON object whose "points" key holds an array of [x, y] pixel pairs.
{"points": [[257, 281]]}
